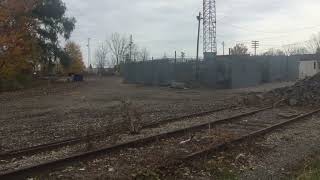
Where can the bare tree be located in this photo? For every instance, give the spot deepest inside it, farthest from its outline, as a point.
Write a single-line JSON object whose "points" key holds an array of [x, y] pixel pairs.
{"points": [[165, 57], [118, 45], [144, 54], [101, 56], [135, 53], [295, 49], [183, 56], [239, 49], [274, 52], [313, 44]]}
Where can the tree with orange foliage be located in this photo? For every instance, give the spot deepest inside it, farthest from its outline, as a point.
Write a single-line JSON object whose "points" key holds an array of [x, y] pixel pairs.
{"points": [[18, 46], [76, 65], [30, 31]]}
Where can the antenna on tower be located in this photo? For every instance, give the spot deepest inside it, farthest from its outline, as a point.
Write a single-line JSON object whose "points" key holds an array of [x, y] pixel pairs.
{"points": [[209, 29]]}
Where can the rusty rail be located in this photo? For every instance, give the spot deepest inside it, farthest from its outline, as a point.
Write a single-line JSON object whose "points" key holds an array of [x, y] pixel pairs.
{"points": [[71, 141], [259, 133], [22, 172]]}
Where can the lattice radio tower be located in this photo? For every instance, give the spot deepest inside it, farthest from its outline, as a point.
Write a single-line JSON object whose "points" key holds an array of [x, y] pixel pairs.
{"points": [[209, 27]]}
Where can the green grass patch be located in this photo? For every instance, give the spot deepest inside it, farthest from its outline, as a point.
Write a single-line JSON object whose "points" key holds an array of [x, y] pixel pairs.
{"points": [[221, 170], [16, 83], [311, 170]]}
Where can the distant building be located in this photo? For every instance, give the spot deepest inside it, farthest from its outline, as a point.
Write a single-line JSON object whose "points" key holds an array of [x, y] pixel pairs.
{"points": [[224, 71], [102, 72], [308, 66]]}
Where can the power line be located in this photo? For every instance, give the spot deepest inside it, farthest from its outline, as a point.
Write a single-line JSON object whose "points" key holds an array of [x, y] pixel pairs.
{"points": [[284, 34], [261, 38], [269, 32], [297, 44]]}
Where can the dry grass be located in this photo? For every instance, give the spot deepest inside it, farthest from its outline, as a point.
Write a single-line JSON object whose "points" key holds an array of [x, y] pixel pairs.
{"points": [[131, 116], [311, 170]]}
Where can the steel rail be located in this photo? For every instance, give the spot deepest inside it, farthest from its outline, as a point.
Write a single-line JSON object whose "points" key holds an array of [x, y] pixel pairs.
{"points": [[22, 172], [71, 141], [224, 145]]}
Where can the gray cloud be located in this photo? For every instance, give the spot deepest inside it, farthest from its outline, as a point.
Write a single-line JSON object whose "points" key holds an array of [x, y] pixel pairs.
{"points": [[168, 25]]}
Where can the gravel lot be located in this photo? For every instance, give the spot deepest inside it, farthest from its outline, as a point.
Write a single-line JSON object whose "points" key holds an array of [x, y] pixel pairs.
{"points": [[59, 111], [130, 162], [62, 110], [277, 155]]}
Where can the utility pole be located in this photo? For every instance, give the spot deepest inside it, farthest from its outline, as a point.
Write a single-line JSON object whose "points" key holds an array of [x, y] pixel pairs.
{"points": [[175, 65], [130, 45], [89, 56], [198, 41], [175, 57], [255, 46], [223, 44]]}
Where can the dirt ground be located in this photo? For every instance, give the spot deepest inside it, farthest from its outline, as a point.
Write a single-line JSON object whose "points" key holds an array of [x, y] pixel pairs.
{"points": [[144, 161], [62, 110]]}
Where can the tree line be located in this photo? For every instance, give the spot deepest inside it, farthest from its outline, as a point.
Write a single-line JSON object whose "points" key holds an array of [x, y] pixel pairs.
{"points": [[30, 40], [312, 46], [118, 49]]}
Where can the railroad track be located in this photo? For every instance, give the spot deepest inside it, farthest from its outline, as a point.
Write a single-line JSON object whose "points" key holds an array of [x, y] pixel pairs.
{"points": [[250, 134], [58, 144], [24, 171]]}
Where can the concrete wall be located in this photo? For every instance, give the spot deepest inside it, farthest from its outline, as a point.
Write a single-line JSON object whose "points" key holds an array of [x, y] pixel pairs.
{"points": [[215, 74], [184, 72], [162, 72], [208, 73], [148, 72], [278, 68], [223, 72], [245, 72], [293, 68]]}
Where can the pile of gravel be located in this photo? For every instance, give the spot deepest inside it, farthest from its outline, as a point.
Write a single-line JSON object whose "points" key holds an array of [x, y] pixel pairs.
{"points": [[303, 93]]}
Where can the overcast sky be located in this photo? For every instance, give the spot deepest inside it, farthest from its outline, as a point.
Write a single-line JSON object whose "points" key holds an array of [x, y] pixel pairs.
{"points": [[164, 26]]}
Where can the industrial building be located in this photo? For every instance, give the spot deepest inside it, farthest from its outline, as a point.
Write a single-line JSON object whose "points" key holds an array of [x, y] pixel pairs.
{"points": [[223, 71], [308, 66]]}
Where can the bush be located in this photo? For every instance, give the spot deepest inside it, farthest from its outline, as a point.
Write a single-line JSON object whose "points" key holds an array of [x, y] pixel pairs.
{"points": [[19, 82]]}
